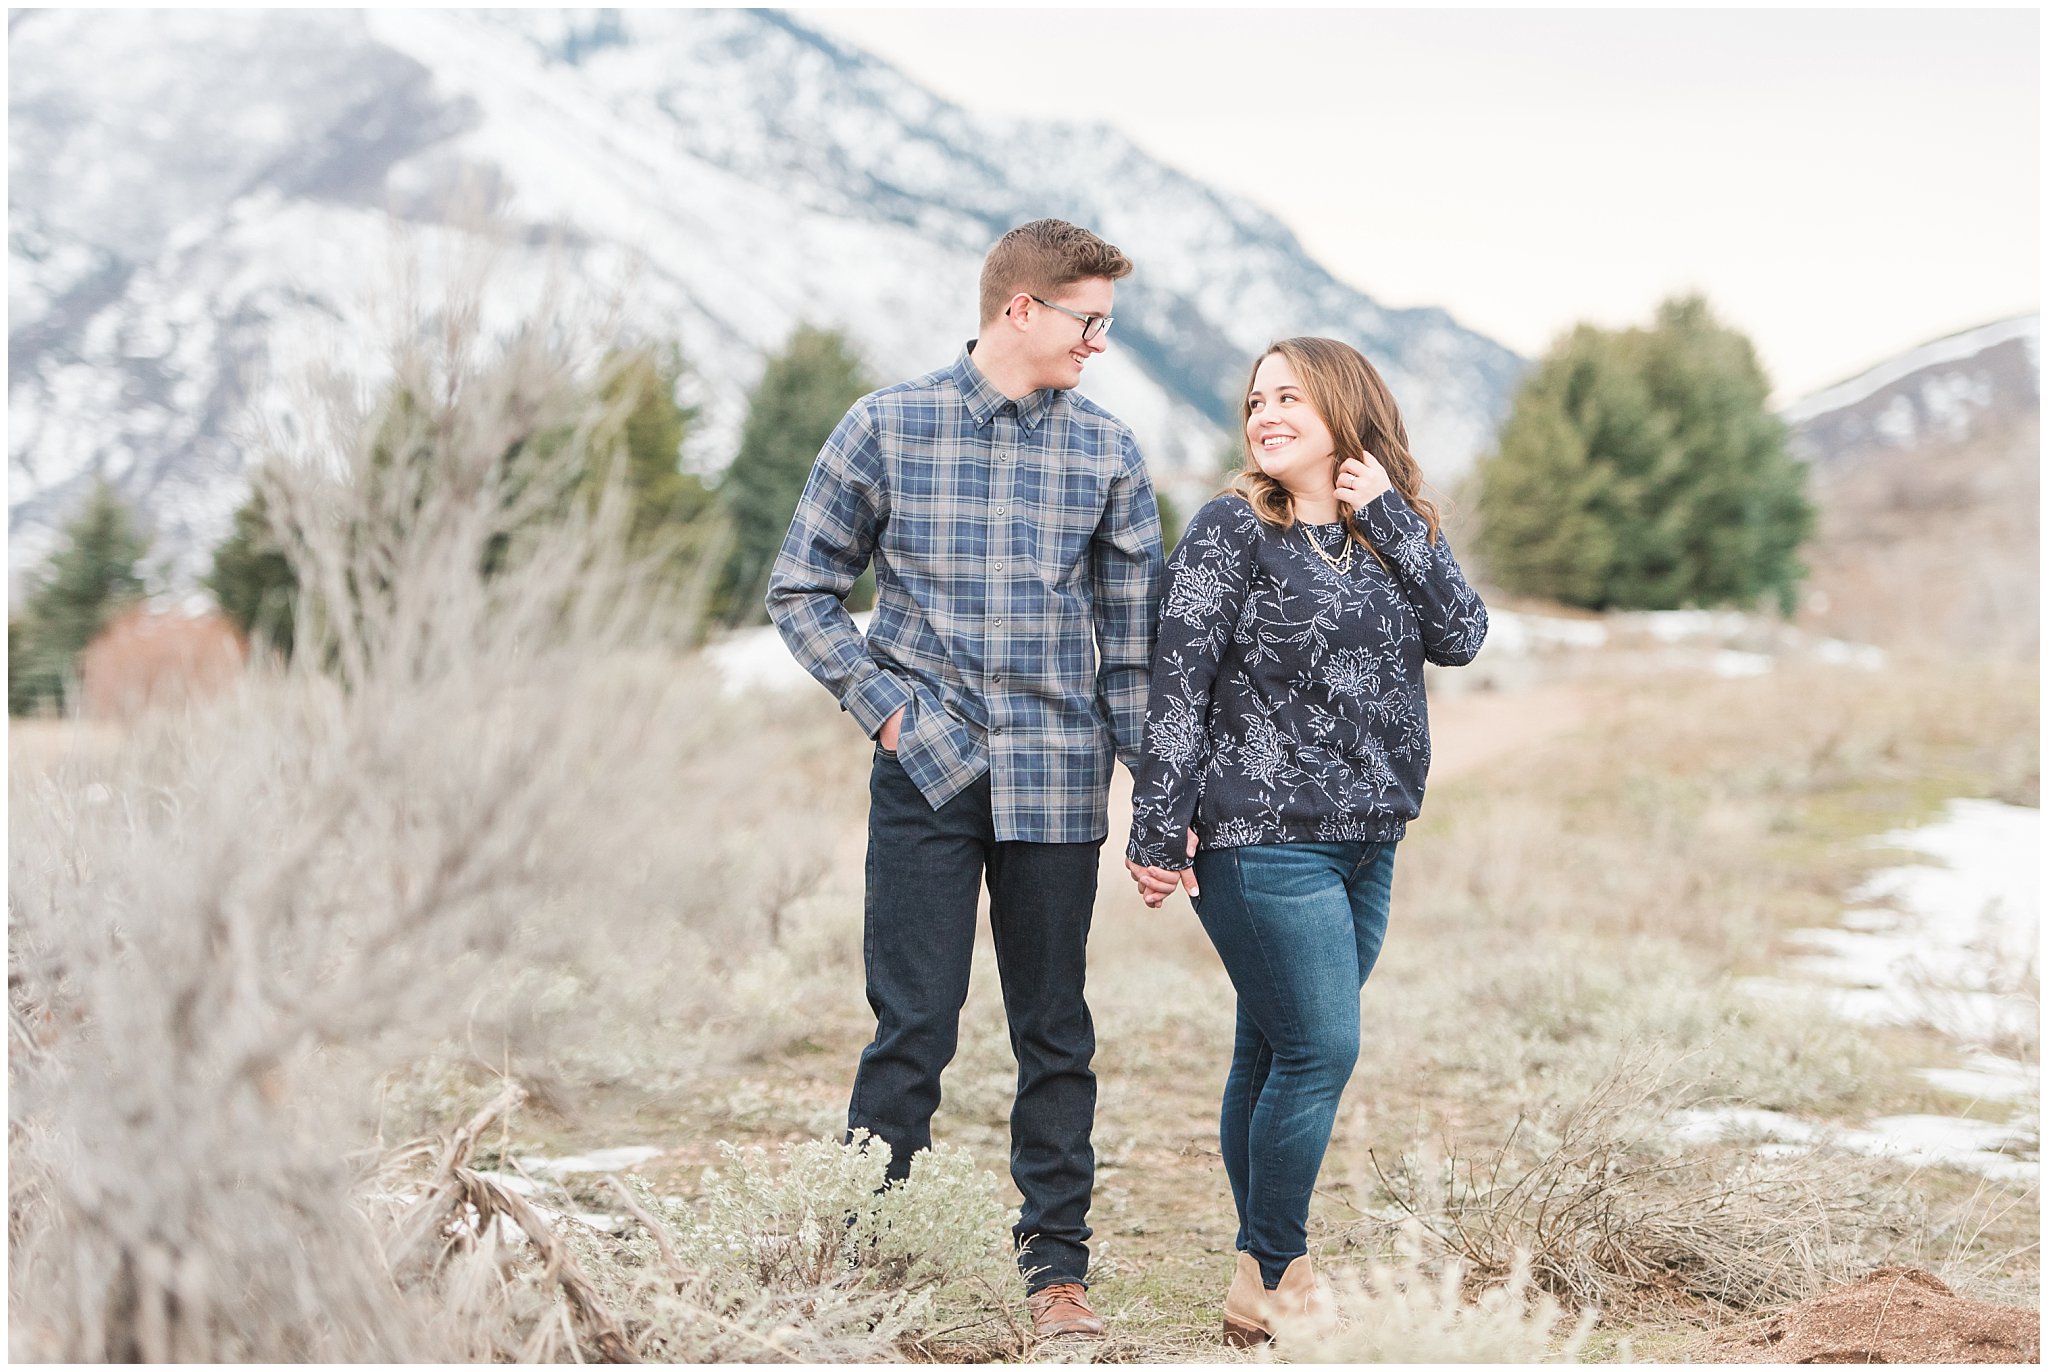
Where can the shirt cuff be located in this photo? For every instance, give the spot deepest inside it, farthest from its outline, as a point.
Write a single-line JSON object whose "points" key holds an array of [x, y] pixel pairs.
{"points": [[874, 698], [1388, 516], [1166, 853]]}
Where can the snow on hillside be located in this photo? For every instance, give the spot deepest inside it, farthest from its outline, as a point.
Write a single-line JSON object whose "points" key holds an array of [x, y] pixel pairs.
{"points": [[1955, 348], [1942, 391], [204, 202]]}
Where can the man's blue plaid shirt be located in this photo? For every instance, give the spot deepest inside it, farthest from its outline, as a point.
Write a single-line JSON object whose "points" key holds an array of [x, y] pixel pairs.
{"points": [[1018, 573]]}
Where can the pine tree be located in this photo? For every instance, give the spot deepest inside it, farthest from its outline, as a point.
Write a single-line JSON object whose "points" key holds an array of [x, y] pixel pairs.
{"points": [[252, 580], [32, 684], [639, 421], [93, 575], [668, 503], [802, 395], [1640, 469]]}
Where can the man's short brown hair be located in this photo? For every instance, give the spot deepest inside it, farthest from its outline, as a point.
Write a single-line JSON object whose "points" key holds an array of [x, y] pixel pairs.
{"points": [[1043, 258]]}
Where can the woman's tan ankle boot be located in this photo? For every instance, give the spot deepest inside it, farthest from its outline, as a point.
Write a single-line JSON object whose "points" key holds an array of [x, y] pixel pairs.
{"points": [[1301, 1303], [1245, 1317]]}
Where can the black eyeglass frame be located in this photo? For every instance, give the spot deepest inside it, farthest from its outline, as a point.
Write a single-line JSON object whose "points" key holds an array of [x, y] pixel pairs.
{"points": [[1093, 326]]}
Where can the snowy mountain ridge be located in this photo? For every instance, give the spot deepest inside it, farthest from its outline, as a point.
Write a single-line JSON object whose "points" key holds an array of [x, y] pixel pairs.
{"points": [[206, 204], [1957, 347], [1946, 389]]}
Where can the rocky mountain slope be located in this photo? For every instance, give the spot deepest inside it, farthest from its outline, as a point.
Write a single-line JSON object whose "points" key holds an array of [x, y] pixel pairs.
{"points": [[1943, 391], [1927, 474], [205, 203]]}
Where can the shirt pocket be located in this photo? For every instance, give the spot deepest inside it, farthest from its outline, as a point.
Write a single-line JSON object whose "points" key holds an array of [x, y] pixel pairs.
{"points": [[1061, 522]]}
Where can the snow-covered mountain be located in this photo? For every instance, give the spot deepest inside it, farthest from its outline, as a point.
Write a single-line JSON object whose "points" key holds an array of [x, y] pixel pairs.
{"points": [[1944, 390], [1927, 476], [205, 202]]}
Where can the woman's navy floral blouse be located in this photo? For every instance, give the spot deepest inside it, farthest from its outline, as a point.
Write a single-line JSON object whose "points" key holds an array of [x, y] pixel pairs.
{"points": [[1286, 701]]}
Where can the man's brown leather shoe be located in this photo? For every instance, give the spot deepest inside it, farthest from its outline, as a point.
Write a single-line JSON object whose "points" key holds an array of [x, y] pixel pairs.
{"points": [[1063, 1308]]}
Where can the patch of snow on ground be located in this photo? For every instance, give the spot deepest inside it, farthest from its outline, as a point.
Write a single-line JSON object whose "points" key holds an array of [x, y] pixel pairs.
{"points": [[512, 1181], [1837, 653], [603, 1160], [758, 660], [1510, 633], [1945, 1141], [1681, 626], [1711, 1125], [1917, 1140], [1988, 1077], [1954, 947], [1729, 664]]}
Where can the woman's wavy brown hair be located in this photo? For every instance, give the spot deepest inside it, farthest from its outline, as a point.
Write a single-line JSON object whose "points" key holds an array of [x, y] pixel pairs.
{"points": [[1362, 417]]}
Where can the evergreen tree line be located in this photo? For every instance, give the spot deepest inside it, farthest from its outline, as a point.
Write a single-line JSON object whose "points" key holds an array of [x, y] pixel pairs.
{"points": [[728, 534], [1638, 469]]}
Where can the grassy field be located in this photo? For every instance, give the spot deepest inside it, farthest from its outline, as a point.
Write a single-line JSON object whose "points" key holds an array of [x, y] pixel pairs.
{"points": [[1576, 904]]}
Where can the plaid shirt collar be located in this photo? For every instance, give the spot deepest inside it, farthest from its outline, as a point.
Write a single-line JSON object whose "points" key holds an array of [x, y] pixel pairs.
{"points": [[984, 400]]}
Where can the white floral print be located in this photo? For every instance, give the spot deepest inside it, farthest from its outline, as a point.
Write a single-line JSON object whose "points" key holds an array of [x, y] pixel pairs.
{"points": [[1193, 598], [1287, 700], [1351, 672]]}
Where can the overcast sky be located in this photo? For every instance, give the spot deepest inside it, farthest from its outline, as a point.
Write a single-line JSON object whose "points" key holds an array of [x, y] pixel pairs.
{"points": [[1842, 184]]}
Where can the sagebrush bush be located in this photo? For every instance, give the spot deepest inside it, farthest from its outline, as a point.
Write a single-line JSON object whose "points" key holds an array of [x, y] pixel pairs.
{"points": [[228, 924], [807, 1257], [824, 1216], [1409, 1310]]}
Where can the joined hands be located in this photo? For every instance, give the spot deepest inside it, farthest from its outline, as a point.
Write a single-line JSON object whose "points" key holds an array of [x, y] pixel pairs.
{"points": [[1155, 884]]}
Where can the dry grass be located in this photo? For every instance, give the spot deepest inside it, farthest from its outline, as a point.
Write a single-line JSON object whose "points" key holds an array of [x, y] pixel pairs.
{"points": [[1600, 1208], [1610, 886], [802, 1259]]}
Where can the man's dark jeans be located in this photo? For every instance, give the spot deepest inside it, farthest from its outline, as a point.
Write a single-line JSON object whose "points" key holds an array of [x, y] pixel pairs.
{"points": [[924, 876]]}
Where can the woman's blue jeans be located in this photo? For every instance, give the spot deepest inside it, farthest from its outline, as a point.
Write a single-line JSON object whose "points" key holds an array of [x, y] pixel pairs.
{"points": [[1298, 926]]}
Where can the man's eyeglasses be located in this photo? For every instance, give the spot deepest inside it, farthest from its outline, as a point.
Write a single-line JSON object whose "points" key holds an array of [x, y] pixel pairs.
{"points": [[1093, 326]]}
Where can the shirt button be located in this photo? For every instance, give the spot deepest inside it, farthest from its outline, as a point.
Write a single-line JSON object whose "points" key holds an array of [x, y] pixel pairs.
{"points": [[997, 730], [999, 566], [997, 621]]}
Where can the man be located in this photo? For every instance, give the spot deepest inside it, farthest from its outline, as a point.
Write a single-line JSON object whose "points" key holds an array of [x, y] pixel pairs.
{"points": [[1015, 541]]}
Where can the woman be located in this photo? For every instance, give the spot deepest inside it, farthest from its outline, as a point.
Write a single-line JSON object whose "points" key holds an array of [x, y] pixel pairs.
{"points": [[1288, 733]]}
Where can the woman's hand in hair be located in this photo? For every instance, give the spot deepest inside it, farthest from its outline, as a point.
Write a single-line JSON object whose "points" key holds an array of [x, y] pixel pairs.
{"points": [[1359, 483]]}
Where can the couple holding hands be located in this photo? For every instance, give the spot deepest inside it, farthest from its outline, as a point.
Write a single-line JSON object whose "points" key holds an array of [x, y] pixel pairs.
{"points": [[1264, 686]]}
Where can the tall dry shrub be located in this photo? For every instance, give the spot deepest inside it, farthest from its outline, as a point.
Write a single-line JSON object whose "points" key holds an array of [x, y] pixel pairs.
{"points": [[223, 930], [1599, 1205]]}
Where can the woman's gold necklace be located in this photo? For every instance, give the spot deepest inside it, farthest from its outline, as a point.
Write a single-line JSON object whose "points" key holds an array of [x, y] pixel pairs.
{"points": [[1338, 565]]}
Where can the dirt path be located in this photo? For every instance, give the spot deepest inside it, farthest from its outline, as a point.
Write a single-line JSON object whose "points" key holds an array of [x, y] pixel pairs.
{"points": [[1468, 731], [1162, 1213]]}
